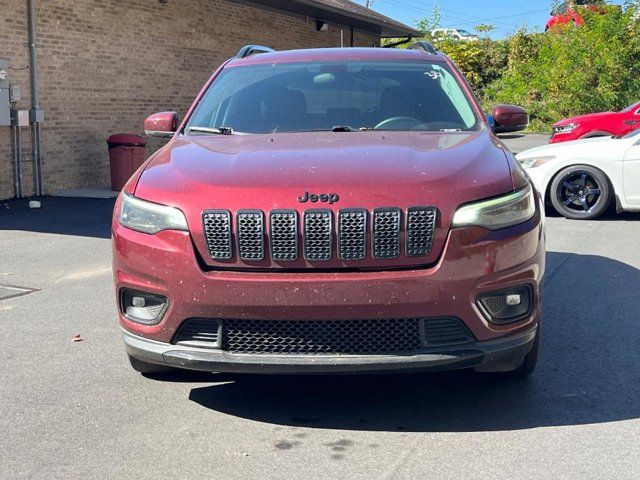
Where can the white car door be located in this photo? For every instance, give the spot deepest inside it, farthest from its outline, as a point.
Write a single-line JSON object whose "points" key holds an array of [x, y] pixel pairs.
{"points": [[631, 175]]}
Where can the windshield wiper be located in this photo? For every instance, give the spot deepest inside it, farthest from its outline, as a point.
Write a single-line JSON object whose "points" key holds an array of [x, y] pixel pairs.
{"points": [[214, 130]]}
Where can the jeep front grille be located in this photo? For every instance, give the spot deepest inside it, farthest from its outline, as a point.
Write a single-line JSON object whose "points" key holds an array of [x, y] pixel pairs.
{"points": [[312, 337], [217, 228], [250, 235], [420, 231], [284, 235], [352, 241], [318, 235], [352, 238], [386, 232]]}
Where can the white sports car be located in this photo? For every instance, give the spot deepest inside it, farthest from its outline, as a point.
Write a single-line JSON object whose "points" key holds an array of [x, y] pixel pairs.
{"points": [[581, 178]]}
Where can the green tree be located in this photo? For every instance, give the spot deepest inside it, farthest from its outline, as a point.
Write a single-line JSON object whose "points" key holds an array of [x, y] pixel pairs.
{"points": [[572, 70]]}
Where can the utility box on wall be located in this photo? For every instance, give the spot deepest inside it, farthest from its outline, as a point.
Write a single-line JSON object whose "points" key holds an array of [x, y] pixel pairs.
{"points": [[5, 111]]}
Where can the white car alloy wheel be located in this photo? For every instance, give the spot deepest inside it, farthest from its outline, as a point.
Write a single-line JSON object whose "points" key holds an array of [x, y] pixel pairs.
{"points": [[580, 192]]}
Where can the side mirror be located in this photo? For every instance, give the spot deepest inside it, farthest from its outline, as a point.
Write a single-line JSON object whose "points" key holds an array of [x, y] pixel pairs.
{"points": [[509, 118], [161, 125]]}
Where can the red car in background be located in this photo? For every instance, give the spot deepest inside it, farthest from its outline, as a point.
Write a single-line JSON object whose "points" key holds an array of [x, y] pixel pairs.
{"points": [[597, 124], [568, 11]]}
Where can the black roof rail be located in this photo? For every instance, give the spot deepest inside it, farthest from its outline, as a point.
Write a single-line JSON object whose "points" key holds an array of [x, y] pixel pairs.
{"points": [[424, 46], [252, 50]]}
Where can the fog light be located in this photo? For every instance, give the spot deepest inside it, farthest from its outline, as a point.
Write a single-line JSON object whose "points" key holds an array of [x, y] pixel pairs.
{"points": [[514, 300], [144, 308], [508, 305]]}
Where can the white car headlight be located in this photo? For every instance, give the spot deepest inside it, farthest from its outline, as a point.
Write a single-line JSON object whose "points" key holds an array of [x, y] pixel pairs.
{"points": [[496, 213], [533, 162], [570, 127], [147, 217]]}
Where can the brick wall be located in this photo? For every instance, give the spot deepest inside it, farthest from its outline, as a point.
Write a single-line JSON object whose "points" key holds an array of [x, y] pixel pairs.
{"points": [[104, 65]]}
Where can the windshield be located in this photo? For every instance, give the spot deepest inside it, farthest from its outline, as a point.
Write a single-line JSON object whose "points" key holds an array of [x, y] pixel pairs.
{"points": [[464, 33], [302, 97]]}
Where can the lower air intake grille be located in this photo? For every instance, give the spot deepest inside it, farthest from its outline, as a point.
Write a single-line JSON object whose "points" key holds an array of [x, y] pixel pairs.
{"points": [[376, 336], [199, 332], [355, 337], [217, 229], [441, 332]]}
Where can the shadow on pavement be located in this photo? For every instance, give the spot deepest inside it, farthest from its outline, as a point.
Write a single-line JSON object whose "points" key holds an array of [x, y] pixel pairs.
{"points": [[588, 372], [84, 217]]}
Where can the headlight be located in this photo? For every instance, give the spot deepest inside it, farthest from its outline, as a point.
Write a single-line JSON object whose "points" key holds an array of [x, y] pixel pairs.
{"points": [[147, 217], [497, 213], [534, 162], [566, 128]]}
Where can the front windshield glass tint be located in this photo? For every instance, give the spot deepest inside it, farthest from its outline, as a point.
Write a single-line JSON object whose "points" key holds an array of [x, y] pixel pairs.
{"points": [[300, 97]]}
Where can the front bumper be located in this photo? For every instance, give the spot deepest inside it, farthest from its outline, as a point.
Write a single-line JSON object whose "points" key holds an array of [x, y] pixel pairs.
{"points": [[474, 261], [502, 354]]}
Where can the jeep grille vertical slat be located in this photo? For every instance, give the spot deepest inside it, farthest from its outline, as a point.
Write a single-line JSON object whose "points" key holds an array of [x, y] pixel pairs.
{"points": [[250, 235], [217, 230], [318, 235], [386, 232], [283, 232], [352, 235], [421, 227]]}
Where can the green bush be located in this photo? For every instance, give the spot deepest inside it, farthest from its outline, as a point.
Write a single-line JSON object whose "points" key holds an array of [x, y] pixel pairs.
{"points": [[572, 70]]}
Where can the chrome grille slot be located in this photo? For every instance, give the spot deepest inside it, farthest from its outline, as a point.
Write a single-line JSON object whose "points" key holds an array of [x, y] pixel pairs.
{"points": [[318, 233], [421, 227], [217, 230], [250, 235], [283, 231], [386, 232], [352, 236]]}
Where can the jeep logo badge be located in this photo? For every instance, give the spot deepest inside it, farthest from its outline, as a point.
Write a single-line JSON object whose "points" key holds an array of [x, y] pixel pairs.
{"points": [[331, 198]]}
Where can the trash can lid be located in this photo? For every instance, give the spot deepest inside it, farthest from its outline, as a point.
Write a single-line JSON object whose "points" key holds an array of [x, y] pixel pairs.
{"points": [[126, 139]]}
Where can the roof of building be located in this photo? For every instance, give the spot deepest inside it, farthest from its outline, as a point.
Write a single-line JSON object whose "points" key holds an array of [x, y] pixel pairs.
{"points": [[343, 12]]}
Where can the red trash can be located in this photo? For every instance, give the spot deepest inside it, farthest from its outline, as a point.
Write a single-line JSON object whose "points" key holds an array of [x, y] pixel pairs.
{"points": [[126, 154]]}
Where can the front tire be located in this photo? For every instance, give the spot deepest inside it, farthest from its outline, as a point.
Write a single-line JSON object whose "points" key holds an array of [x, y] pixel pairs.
{"points": [[581, 192]]}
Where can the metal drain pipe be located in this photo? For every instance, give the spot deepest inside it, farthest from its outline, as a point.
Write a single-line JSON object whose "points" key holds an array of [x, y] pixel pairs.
{"points": [[17, 155], [35, 114]]}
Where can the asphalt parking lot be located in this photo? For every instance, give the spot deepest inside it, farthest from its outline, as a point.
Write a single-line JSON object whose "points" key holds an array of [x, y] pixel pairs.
{"points": [[76, 409]]}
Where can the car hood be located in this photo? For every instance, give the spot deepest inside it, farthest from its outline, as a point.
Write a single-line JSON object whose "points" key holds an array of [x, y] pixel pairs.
{"points": [[365, 169], [583, 118]]}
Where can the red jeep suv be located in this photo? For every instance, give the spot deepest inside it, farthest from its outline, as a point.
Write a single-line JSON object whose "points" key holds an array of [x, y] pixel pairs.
{"points": [[331, 211]]}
